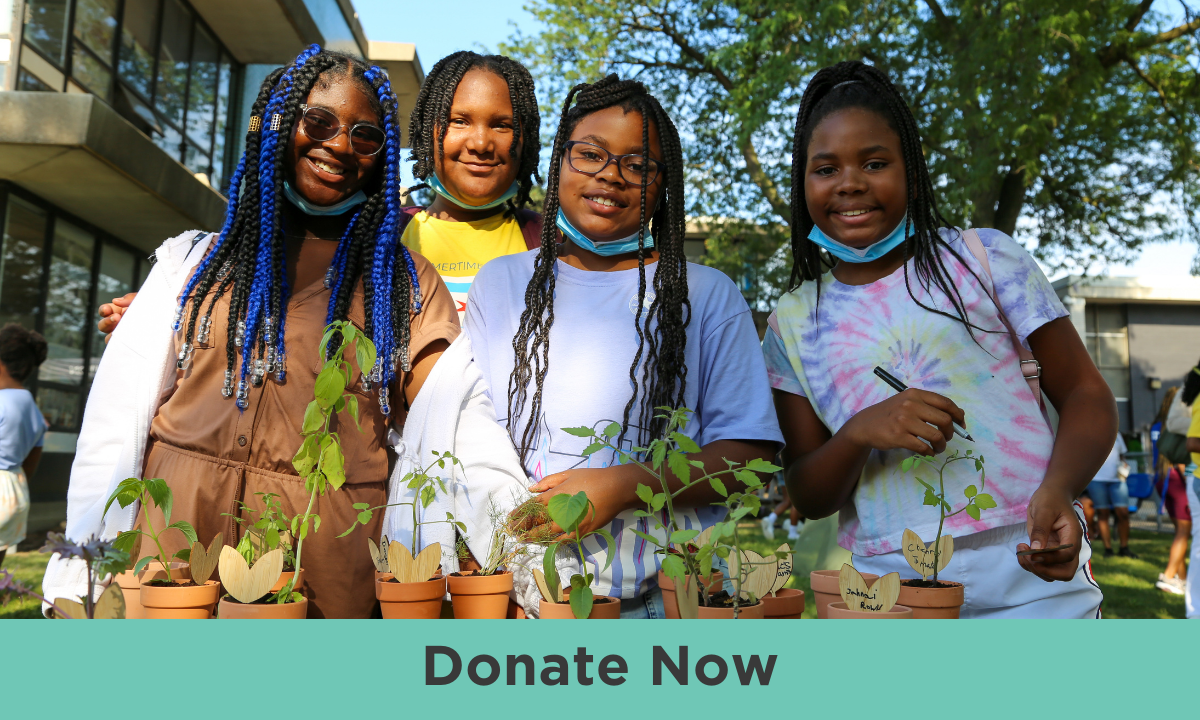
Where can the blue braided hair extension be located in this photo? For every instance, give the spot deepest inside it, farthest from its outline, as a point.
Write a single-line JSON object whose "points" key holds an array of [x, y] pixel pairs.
{"points": [[337, 269]]}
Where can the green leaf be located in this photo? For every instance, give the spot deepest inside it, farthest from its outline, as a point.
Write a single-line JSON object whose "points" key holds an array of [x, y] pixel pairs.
{"points": [[658, 453], [927, 485], [718, 486], [762, 466], [648, 538], [314, 418], [930, 498], [186, 528], [658, 501], [644, 493], [985, 501], [306, 457], [333, 464], [680, 467], [161, 495], [583, 432], [550, 570], [126, 540], [685, 443], [612, 430], [568, 510], [680, 537], [364, 351], [141, 564], [611, 547], [971, 491], [329, 387], [973, 511], [905, 464], [271, 538], [184, 554], [581, 601], [593, 448], [674, 568]]}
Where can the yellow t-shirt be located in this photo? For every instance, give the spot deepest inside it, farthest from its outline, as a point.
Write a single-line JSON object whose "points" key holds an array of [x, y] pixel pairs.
{"points": [[1194, 428], [458, 249]]}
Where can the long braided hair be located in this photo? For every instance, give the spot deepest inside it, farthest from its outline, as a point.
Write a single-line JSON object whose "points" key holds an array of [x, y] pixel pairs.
{"points": [[247, 261], [662, 329], [857, 85], [430, 117]]}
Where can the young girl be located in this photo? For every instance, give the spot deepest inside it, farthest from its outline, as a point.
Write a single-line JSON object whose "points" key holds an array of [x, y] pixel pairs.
{"points": [[612, 323], [312, 235], [22, 429], [906, 293]]}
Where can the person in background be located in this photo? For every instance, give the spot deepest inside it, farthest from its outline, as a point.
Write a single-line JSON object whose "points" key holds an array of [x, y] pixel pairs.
{"points": [[1170, 484], [792, 523], [1109, 492], [1191, 388], [22, 430]]}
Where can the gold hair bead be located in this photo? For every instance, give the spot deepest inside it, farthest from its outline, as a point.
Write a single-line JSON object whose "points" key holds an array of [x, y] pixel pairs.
{"points": [[276, 121], [255, 123]]}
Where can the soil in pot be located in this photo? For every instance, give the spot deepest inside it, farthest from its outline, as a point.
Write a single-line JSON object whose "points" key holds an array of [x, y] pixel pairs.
{"points": [[785, 604], [179, 601], [839, 611], [230, 609], [480, 597], [667, 585], [825, 588], [412, 601], [603, 608], [131, 584], [283, 581], [932, 601], [720, 607]]}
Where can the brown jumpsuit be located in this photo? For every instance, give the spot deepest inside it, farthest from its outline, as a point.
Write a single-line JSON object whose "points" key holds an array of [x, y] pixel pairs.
{"points": [[214, 456]]}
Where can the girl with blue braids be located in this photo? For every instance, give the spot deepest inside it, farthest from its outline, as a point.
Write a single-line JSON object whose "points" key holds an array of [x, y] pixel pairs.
{"points": [[312, 235]]}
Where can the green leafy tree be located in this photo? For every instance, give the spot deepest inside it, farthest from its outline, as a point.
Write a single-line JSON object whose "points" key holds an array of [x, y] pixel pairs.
{"points": [[1070, 124]]}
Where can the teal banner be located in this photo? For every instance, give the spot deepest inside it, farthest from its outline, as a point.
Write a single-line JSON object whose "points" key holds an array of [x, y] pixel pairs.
{"points": [[622, 670]]}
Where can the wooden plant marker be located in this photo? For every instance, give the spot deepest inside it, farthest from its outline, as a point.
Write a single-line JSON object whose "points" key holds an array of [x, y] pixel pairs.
{"points": [[247, 584], [920, 556], [688, 599], [762, 575], [408, 569], [201, 562], [877, 598], [540, 578], [110, 606], [379, 553], [701, 539], [783, 570]]}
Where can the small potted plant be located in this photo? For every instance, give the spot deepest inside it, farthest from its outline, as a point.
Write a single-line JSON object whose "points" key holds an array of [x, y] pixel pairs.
{"points": [[131, 582], [483, 592], [684, 561], [824, 584], [765, 578], [271, 530], [413, 588], [173, 596], [575, 599], [863, 600], [929, 597], [101, 558]]}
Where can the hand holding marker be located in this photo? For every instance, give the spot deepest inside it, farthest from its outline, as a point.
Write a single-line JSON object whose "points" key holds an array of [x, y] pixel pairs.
{"points": [[901, 387]]}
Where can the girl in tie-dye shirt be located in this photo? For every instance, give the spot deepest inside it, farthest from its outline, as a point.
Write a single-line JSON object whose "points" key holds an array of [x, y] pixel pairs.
{"points": [[881, 279]]}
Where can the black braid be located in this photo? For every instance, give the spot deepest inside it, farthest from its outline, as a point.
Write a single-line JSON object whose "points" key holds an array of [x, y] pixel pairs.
{"points": [[662, 334], [431, 115], [857, 85]]}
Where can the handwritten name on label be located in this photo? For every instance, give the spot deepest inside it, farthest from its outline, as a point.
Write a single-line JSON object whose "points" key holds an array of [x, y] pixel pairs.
{"points": [[878, 597], [922, 558]]}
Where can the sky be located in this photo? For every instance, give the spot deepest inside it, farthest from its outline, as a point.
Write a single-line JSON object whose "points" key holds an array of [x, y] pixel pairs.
{"points": [[486, 23]]}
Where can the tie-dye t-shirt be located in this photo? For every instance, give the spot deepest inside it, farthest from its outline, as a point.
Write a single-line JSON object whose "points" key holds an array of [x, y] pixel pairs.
{"points": [[828, 357]]}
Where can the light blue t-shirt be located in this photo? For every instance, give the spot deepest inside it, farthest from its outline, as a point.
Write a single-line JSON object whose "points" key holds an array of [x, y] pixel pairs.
{"points": [[592, 343], [22, 427]]}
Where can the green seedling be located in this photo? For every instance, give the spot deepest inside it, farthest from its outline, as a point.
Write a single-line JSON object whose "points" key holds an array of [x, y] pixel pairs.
{"points": [[153, 491], [271, 530], [569, 512], [977, 501]]}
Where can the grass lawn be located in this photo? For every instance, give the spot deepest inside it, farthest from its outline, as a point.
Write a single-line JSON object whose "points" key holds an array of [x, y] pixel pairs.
{"points": [[1128, 585]]}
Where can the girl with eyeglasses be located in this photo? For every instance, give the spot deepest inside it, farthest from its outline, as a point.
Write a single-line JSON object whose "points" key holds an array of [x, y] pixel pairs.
{"points": [[208, 379], [613, 323]]}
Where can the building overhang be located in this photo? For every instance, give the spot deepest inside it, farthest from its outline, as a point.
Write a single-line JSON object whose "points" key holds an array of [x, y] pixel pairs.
{"points": [[75, 151], [1165, 290], [404, 71]]}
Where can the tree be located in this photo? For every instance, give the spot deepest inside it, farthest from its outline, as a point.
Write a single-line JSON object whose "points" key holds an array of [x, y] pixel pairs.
{"points": [[1071, 124]]}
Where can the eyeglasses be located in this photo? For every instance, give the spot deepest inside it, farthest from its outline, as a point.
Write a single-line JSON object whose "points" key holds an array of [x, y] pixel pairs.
{"points": [[589, 159], [321, 125]]}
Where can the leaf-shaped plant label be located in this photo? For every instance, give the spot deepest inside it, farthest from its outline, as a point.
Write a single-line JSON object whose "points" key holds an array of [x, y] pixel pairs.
{"points": [[761, 572], [248, 584], [111, 605], [783, 571], [202, 562], [878, 597], [920, 556], [544, 588], [687, 598], [426, 563], [400, 562], [73, 609], [378, 554]]}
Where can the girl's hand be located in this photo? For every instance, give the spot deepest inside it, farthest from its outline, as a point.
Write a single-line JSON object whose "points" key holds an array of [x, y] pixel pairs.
{"points": [[912, 420], [110, 314], [602, 487], [1052, 522]]}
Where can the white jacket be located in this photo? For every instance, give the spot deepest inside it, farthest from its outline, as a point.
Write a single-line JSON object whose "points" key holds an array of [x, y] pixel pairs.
{"points": [[137, 368]]}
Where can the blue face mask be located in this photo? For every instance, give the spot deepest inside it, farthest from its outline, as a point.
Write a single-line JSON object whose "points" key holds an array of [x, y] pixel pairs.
{"points": [[308, 208], [861, 255], [607, 248], [437, 186]]}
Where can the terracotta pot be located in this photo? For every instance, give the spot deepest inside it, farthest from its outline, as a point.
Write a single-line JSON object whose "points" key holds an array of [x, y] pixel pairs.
{"points": [[745, 612], [667, 585], [412, 601], [785, 604], [180, 603], [839, 611], [229, 609], [283, 581], [480, 597], [825, 588], [941, 603], [603, 608], [131, 585]]}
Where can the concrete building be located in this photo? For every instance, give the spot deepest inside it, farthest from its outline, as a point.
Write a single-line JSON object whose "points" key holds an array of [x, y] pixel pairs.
{"points": [[120, 122], [1142, 332]]}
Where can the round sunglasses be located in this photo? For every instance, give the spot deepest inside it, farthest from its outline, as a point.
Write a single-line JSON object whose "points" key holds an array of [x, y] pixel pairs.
{"points": [[321, 125]]}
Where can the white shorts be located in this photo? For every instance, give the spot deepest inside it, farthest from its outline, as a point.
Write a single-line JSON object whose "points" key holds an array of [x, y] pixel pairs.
{"points": [[995, 584]]}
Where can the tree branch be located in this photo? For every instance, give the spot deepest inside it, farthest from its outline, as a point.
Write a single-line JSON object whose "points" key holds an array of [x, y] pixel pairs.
{"points": [[770, 190], [944, 22], [1168, 35], [1136, 17]]}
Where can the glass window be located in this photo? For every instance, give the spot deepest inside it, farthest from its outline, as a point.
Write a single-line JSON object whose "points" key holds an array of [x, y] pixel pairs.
{"points": [[67, 304], [139, 32], [116, 277], [1108, 344], [203, 89], [173, 61], [169, 141], [96, 25], [196, 160], [21, 262], [61, 407], [46, 27], [26, 81], [224, 95], [91, 73]]}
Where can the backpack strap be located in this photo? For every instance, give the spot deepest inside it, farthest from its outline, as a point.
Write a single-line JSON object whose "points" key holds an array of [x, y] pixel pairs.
{"points": [[1031, 369], [531, 227]]}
